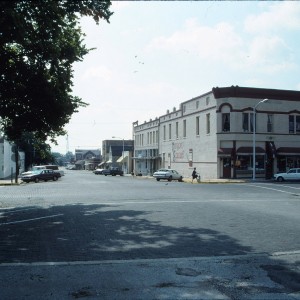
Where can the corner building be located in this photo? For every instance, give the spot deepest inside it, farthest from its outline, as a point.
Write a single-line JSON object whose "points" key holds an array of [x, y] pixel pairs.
{"points": [[215, 133]]}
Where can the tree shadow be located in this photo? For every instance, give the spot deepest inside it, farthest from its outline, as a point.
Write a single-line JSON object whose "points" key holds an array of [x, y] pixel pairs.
{"points": [[99, 232]]}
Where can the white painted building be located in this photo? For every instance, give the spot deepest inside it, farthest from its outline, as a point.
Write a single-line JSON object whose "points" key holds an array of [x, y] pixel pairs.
{"points": [[7, 160], [214, 133]]}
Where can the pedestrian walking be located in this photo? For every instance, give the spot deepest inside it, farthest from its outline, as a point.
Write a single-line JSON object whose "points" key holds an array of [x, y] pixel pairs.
{"points": [[194, 175]]}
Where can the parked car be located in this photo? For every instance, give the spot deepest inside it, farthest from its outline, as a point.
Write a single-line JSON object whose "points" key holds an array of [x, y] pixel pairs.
{"points": [[113, 171], [98, 171], [38, 175], [55, 168], [71, 167], [292, 174], [168, 174]]}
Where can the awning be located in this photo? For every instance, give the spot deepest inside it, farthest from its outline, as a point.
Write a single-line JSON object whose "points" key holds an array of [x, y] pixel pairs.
{"points": [[121, 159], [249, 150], [224, 151], [288, 151], [101, 164], [109, 162]]}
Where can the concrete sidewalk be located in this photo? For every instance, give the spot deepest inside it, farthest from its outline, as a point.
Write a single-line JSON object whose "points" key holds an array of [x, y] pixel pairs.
{"points": [[256, 276], [4, 182]]}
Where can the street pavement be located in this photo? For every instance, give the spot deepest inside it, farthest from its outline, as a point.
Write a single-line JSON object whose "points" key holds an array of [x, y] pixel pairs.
{"points": [[256, 276], [249, 275]]}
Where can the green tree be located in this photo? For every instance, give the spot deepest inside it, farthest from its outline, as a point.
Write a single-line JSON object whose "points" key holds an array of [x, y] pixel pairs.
{"points": [[39, 42]]}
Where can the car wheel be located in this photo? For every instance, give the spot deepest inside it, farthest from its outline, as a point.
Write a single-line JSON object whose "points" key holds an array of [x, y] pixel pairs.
{"points": [[36, 180], [54, 178], [280, 179], [170, 178], [157, 179], [180, 179]]}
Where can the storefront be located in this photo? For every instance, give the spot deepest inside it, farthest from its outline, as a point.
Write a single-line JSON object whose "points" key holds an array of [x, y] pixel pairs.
{"points": [[287, 158]]}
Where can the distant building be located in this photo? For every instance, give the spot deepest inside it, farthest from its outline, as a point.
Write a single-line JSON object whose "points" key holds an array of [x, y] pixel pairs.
{"points": [[87, 159], [113, 154], [214, 133]]}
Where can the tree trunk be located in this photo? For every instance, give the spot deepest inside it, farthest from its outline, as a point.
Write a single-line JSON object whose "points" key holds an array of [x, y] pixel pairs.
{"points": [[17, 163]]}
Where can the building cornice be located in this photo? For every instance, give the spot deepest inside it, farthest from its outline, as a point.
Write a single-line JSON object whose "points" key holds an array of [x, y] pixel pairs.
{"points": [[255, 93]]}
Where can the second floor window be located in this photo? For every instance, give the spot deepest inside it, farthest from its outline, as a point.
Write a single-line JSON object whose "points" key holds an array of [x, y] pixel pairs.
{"points": [[164, 132], [248, 122], [184, 128], [207, 123], [170, 131], [294, 124], [197, 125], [226, 122], [177, 133], [270, 123]]}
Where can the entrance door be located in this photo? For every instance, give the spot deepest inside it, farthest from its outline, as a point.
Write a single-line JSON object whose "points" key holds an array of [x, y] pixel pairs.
{"points": [[226, 167]]}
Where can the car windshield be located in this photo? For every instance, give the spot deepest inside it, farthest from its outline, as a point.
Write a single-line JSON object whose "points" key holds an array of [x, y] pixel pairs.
{"points": [[37, 171]]}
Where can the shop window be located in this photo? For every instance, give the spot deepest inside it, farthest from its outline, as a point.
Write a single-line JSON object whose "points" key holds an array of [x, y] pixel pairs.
{"points": [[248, 122], [244, 163], [226, 122]]}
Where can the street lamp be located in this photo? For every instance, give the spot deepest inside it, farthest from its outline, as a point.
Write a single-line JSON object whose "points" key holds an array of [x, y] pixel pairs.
{"points": [[115, 137], [254, 129]]}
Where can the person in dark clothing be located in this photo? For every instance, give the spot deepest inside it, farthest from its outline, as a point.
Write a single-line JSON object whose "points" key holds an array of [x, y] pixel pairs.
{"points": [[194, 175]]}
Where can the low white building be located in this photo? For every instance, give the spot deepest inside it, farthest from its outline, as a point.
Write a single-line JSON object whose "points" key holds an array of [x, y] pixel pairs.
{"points": [[214, 133], [7, 160]]}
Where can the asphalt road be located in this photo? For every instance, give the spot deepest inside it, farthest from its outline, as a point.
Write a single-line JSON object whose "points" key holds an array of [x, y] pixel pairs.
{"points": [[90, 218]]}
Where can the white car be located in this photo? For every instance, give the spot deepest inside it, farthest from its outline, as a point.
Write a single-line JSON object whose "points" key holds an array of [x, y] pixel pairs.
{"points": [[168, 174], [292, 174]]}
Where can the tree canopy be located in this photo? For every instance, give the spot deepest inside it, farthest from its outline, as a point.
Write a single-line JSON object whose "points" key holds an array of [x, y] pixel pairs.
{"points": [[39, 42]]}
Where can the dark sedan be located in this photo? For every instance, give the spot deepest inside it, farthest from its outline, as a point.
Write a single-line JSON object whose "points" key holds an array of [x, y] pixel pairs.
{"points": [[38, 175]]}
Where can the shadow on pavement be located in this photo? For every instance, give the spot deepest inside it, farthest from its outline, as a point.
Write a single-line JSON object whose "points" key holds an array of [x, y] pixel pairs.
{"points": [[96, 232]]}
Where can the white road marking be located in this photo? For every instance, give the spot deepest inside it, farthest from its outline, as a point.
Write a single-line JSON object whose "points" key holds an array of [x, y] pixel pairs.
{"points": [[186, 201], [154, 260], [268, 188], [10, 209], [29, 220]]}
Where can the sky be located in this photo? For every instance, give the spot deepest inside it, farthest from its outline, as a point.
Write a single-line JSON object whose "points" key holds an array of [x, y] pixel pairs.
{"points": [[153, 55]]}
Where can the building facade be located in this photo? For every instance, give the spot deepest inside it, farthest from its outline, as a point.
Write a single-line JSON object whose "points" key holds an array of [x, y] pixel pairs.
{"points": [[146, 140], [117, 153], [215, 133], [7, 160]]}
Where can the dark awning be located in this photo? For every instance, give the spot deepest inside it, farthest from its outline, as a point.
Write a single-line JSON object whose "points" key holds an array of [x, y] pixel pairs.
{"points": [[249, 150], [288, 150], [224, 151]]}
